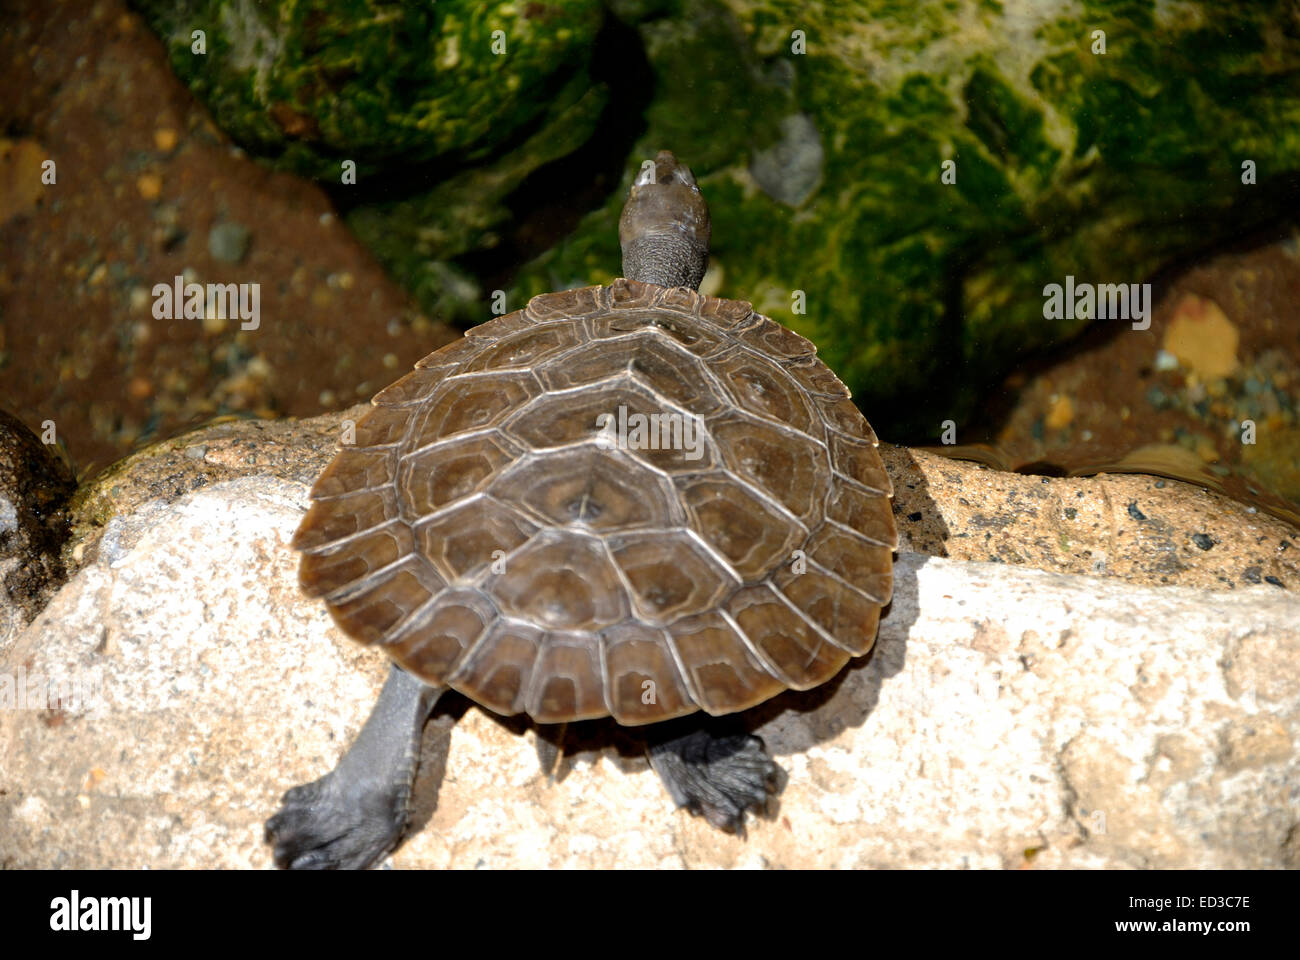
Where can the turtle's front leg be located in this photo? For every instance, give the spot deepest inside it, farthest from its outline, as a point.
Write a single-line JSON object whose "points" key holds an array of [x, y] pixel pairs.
{"points": [[355, 814], [713, 774]]}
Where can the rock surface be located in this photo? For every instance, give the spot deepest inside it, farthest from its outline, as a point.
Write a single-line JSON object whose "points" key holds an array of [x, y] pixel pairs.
{"points": [[1138, 528], [1185, 535], [34, 487], [1008, 717]]}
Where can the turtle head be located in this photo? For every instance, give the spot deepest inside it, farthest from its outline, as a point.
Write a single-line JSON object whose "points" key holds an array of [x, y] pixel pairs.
{"points": [[664, 230]]}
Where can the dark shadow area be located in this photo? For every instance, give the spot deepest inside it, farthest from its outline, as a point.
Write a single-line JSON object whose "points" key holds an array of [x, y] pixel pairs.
{"points": [[921, 527], [554, 198], [997, 403], [551, 201], [904, 415], [1267, 221], [435, 747]]}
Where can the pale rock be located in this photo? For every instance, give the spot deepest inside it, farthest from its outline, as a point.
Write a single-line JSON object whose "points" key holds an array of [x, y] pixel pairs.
{"points": [[1008, 717]]}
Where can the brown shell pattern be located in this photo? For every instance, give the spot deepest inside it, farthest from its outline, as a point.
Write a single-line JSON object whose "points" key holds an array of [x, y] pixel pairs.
{"points": [[485, 532]]}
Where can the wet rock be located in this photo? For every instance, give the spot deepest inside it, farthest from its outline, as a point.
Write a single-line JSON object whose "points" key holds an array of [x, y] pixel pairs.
{"points": [[917, 287], [34, 486], [309, 84]]}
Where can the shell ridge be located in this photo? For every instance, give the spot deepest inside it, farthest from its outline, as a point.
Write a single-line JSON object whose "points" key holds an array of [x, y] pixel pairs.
{"points": [[688, 681], [881, 602], [816, 627], [469, 656], [762, 658], [331, 547], [860, 534]]}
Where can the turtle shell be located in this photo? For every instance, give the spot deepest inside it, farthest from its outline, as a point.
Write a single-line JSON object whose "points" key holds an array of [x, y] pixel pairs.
{"points": [[511, 521]]}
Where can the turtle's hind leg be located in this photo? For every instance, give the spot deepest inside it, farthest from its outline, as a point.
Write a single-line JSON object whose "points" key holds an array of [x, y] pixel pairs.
{"points": [[356, 813], [712, 773]]}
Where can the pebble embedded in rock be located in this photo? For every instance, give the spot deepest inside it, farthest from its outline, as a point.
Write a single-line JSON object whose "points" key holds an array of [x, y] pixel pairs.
{"points": [[1202, 540]]}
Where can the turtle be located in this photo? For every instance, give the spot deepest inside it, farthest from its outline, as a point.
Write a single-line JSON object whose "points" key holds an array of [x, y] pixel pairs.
{"points": [[631, 501]]}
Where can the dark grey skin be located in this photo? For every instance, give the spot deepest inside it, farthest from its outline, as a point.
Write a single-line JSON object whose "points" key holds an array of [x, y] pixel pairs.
{"points": [[356, 814]]}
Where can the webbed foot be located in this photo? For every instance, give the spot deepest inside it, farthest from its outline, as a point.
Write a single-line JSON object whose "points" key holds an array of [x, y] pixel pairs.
{"points": [[716, 776]]}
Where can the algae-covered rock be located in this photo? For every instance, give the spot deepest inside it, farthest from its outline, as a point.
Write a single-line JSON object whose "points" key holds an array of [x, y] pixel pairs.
{"points": [[443, 109], [1067, 162], [311, 83], [417, 236], [1089, 139]]}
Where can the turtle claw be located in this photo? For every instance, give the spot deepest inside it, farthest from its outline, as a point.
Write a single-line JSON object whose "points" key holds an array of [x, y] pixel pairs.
{"points": [[322, 826], [716, 777], [355, 814]]}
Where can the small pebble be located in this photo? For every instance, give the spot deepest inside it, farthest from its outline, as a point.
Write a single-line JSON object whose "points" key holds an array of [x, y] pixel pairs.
{"points": [[1202, 540], [1157, 397], [228, 242], [164, 138], [1252, 574], [1166, 360], [149, 185], [1273, 580], [1134, 512], [1061, 414]]}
